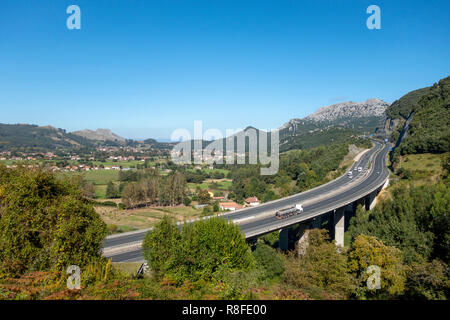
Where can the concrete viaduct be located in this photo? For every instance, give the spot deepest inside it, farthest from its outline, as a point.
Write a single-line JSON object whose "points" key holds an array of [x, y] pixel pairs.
{"points": [[327, 206]]}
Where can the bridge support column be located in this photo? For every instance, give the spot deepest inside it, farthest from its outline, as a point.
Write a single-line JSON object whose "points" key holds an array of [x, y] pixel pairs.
{"points": [[316, 223], [386, 184], [283, 239], [371, 200], [303, 242], [339, 226], [349, 212]]}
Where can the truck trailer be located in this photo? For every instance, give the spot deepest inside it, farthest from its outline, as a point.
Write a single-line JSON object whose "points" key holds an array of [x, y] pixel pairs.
{"points": [[289, 212]]}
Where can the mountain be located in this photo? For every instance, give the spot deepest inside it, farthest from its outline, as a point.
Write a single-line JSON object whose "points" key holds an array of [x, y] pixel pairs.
{"points": [[361, 116], [397, 114], [329, 124], [100, 135], [33, 137], [350, 110], [339, 122]]}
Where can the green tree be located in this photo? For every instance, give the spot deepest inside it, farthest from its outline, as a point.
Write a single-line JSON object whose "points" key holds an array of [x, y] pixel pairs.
{"points": [[428, 280], [203, 196], [112, 191], [271, 262], [45, 223], [198, 250], [369, 251], [161, 245], [321, 271]]}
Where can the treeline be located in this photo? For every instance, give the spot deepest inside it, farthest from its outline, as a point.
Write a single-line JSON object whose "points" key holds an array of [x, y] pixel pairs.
{"points": [[198, 176], [325, 136], [211, 259], [155, 189], [416, 220]]}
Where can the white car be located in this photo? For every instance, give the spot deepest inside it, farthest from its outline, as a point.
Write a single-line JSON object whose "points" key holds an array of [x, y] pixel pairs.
{"points": [[359, 169], [350, 174]]}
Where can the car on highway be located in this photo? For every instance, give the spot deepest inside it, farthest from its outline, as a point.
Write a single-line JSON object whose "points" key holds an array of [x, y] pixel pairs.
{"points": [[359, 169], [350, 174]]}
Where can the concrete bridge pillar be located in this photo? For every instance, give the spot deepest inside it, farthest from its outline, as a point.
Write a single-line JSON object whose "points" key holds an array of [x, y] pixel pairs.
{"points": [[386, 184], [371, 200], [317, 223], [303, 242], [283, 239], [339, 226], [349, 212]]}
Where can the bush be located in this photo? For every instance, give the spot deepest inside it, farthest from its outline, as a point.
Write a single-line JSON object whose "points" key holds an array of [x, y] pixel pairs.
{"points": [[428, 280], [187, 201], [321, 271], [45, 223], [270, 261], [106, 204], [197, 250], [367, 251], [161, 246], [207, 211], [112, 228]]}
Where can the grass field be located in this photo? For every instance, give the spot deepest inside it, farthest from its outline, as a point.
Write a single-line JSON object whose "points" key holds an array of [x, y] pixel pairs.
{"points": [[7, 162], [421, 167], [212, 185], [129, 268], [127, 220], [99, 178]]}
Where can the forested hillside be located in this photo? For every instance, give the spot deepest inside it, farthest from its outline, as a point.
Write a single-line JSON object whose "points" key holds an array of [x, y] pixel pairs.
{"points": [[429, 115], [429, 130], [34, 138], [24, 137], [404, 106]]}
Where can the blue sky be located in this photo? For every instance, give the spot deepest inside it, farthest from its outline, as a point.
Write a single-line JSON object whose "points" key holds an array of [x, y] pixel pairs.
{"points": [[145, 68]]}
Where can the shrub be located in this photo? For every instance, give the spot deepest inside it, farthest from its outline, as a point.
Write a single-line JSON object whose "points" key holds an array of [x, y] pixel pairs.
{"points": [[45, 223], [321, 270], [270, 261], [196, 251], [366, 251], [428, 280]]}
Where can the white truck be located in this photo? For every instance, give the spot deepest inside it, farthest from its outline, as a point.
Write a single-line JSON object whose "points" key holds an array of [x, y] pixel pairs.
{"points": [[289, 212]]}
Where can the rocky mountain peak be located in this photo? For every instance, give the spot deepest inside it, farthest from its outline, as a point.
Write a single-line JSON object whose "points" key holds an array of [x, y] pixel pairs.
{"points": [[369, 108], [99, 134]]}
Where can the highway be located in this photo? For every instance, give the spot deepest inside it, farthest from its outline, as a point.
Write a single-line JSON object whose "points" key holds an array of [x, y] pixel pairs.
{"points": [[259, 220]]}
